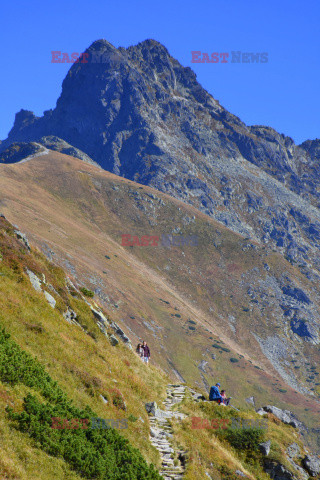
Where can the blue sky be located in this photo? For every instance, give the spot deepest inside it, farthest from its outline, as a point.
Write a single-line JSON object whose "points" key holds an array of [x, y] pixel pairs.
{"points": [[282, 93]]}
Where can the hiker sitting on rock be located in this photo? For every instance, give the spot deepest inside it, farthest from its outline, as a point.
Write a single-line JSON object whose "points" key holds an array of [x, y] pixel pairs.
{"points": [[225, 400], [146, 352], [214, 395]]}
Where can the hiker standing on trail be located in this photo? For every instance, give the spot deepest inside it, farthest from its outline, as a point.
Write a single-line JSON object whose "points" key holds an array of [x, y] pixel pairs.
{"points": [[214, 395], [139, 350], [146, 352]]}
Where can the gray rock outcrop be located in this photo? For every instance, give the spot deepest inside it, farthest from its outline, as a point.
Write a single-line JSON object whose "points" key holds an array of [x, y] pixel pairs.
{"points": [[50, 299], [277, 471], [284, 415], [113, 340], [35, 281], [312, 465], [293, 450], [265, 447], [23, 238]]}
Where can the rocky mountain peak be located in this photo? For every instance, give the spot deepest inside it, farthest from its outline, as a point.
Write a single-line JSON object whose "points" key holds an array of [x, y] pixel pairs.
{"points": [[101, 44], [23, 119], [140, 114]]}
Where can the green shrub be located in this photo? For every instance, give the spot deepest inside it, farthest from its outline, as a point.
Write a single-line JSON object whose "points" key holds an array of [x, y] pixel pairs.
{"points": [[234, 360], [245, 438], [93, 453], [86, 292], [117, 399], [132, 418]]}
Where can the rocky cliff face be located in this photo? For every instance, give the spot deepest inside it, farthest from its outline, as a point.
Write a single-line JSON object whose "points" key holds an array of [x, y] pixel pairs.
{"points": [[140, 114]]}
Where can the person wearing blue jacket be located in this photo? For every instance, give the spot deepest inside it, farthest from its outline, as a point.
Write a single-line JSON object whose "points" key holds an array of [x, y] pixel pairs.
{"points": [[214, 395]]}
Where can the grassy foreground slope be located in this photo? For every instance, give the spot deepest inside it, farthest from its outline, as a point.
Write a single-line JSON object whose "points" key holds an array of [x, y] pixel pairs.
{"points": [[191, 303]]}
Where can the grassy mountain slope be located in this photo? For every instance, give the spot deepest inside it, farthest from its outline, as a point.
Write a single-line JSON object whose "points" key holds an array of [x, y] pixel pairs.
{"points": [[48, 364], [77, 213], [82, 361]]}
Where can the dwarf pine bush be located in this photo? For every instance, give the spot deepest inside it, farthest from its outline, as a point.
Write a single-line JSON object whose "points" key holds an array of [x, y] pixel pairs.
{"points": [[245, 438], [86, 292], [93, 453]]}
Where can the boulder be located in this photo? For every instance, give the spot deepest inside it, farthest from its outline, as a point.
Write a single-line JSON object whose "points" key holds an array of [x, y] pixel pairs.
{"points": [[120, 333], [265, 447], [155, 433], [202, 366], [71, 316], [241, 474], [50, 299], [99, 316], [35, 281], [285, 416], [277, 412], [151, 408], [103, 399], [293, 450], [251, 401], [260, 411], [113, 340], [23, 238], [312, 465], [277, 471]]}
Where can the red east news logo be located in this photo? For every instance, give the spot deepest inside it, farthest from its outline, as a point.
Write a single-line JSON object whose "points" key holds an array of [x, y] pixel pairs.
{"points": [[74, 57], [235, 57], [86, 57]]}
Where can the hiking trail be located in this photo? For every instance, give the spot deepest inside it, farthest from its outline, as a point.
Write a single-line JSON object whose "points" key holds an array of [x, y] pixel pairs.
{"points": [[161, 433]]}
